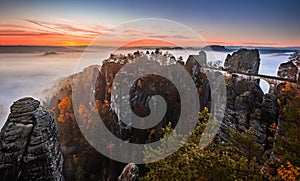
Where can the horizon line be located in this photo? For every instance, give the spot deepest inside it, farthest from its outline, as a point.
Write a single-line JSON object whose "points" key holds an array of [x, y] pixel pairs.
{"points": [[151, 46]]}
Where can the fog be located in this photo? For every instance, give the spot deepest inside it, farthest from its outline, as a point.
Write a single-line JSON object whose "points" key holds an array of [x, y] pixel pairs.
{"points": [[29, 74]]}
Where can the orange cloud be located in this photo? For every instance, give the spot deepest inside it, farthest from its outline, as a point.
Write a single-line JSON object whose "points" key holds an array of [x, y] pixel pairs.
{"points": [[47, 34], [149, 42], [34, 32]]}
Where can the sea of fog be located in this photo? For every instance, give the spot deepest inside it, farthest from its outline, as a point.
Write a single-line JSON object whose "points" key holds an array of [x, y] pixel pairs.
{"points": [[28, 74]]}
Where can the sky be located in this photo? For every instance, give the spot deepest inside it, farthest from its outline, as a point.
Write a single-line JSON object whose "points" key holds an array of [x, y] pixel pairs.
{"points": [[73, 23]]}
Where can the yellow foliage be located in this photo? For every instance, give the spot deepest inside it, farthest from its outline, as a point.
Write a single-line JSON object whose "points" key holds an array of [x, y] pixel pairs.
{"points": [[288, 172], [109, 90], [139, 84], [278, 101], [287, 87], [64, 106], [272, 128]]}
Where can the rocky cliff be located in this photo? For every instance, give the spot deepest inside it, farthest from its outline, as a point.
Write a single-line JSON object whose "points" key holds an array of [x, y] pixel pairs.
{"points": [[75, 145], [247, 106], [29, 144], [291, 68], [245, 61]]}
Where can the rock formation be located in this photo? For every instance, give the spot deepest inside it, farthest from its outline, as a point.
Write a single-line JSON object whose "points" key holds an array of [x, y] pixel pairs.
{"points": [[29, 145], [247, 106], [193, 66], [244, 100], [200, 59], [129, 173], [245, 61], [216, 48], [287, 70], [290, 69]]}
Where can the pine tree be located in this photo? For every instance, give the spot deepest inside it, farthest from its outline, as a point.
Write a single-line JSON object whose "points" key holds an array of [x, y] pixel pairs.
{"points": [[287, 142], [219, 161]]}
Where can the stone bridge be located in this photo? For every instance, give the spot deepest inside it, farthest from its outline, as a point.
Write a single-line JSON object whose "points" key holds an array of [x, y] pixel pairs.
{"points": [[271, 80]]}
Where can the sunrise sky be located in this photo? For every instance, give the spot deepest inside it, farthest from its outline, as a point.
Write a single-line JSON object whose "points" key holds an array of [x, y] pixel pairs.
{"points": [[74, 23]]}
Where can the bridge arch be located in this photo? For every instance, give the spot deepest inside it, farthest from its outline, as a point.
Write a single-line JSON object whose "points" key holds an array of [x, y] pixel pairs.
{"points": [[264, 85], [274, 83]]}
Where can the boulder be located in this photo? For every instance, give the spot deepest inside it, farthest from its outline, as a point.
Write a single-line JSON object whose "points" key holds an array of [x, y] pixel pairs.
{"points": [[29, 144], [244, 61], [129, 173], [287, 70], [291, 68]]}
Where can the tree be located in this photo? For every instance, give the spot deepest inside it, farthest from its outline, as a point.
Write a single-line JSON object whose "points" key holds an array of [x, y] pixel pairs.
{"points": [[247, 151], [79, 175], [287, 142], [219, 161]]}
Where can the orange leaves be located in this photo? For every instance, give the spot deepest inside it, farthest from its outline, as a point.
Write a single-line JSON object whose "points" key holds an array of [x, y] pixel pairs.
{"points": [[288, 172], [139, 84], [199, 90], [272, 128], [287, 88], [106, 101], [64, 107], [151, 133], [109, 90], [278, 101]]}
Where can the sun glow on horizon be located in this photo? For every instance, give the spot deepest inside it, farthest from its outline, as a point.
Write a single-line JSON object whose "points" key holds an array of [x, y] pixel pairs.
{"points": [[148, 42], [43, 33]]}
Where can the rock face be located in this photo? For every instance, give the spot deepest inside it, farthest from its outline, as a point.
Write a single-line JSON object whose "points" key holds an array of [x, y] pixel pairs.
{"points": [[290, 69], [243, 108], [129, 173], [193, 66], [29, 144], [270, 108], [245, 61], [247, 106], [192, 59]]}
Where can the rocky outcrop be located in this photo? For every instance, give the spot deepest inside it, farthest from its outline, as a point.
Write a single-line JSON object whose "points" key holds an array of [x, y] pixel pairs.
{"points": [[193, 66], [244, 100], [244, 61], [200, 59], [247, 106], [29, 144], [215, 48], [269, 108], [129, 173], [291, 68], [287, 70], [295, 57]]}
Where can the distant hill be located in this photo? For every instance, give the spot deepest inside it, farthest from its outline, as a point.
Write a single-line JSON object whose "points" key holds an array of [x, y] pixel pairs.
{"points": [[50, 53], [218, 48], [153, 48], [38, 49], [276, 50], [267, 50]]}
